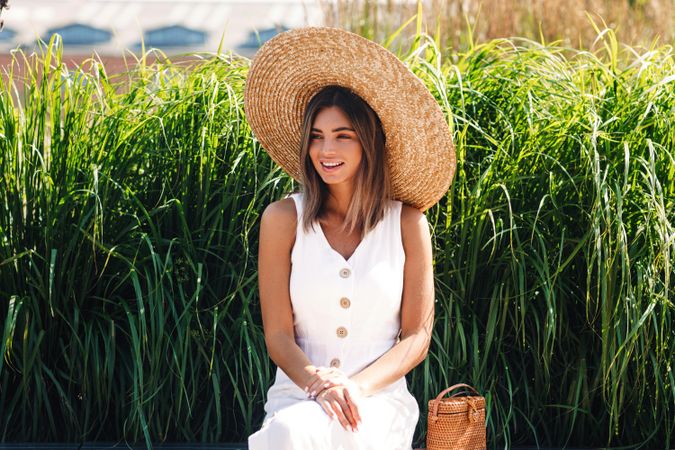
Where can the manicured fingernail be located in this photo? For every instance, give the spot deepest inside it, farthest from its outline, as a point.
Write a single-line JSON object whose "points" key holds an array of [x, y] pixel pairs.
{"points": [[312, 394], [306, 388], [351, 428]]}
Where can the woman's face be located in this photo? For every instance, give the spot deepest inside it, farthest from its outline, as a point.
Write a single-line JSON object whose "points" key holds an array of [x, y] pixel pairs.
{"points": [[333, 141]]}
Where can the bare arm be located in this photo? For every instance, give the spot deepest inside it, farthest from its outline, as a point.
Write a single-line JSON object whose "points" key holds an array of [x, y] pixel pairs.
{"points": [[417, 308], [277, 236]]}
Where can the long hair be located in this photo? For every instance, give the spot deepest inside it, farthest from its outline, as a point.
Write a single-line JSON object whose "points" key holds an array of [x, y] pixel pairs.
{"points": [[372, 188]]}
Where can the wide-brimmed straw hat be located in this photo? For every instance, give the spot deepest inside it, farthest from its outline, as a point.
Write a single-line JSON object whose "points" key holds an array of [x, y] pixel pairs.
{"points": [[289, 69]]}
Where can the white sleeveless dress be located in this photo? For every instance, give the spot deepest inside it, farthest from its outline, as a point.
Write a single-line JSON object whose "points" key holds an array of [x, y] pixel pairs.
{"points": [[346, 314]]}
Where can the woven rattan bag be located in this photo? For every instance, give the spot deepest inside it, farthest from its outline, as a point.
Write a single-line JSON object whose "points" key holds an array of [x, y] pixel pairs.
{"points": [[456, 423]]}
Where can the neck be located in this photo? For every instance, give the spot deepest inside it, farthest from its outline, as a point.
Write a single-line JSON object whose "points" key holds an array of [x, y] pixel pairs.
{"points": [[338, 200]]}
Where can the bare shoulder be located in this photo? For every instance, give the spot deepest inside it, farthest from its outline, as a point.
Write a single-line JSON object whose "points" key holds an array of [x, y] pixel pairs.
{"points": [[278, 221], [411, 214], [413, 223], [283, 210]]}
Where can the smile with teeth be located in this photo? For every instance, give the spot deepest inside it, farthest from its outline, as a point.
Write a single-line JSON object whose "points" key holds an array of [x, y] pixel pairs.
{"points": [[331, 165]]}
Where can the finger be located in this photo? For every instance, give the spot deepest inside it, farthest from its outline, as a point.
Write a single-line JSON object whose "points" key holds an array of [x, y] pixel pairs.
{"points": [[315, 383], [313, 387], [320, 390], [338, 381], [339, 413], [325, 386], [332, 383], [353, 406], [346, 410], [319, 385], [310, 383], [324, 383], [326, 407], [317, 380]]}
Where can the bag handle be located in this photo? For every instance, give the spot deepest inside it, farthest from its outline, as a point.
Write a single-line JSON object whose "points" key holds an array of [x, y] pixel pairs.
{"points": [[434, 409]]}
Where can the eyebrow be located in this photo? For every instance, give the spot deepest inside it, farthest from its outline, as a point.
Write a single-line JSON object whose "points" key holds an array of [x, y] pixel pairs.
{"points": [[335, 129]]}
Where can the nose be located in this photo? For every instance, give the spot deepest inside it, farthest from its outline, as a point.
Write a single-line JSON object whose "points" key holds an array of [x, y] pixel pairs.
{"points": [[327, 147]]}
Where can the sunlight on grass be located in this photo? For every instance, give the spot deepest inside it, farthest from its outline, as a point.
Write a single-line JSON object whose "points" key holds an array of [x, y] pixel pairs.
{"points": [[128, 245]]}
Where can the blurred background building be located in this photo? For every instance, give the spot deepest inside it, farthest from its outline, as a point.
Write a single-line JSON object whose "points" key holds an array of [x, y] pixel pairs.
{"points": [[112, 28]]}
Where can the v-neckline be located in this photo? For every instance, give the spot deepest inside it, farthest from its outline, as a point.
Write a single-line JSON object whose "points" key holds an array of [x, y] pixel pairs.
{"points": [[330, 247]]}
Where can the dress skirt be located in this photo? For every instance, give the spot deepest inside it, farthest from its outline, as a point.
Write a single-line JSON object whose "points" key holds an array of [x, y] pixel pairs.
{"points": [[298, 423]]}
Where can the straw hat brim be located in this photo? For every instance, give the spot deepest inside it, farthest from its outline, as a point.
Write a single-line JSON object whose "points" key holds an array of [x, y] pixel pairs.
{"points": [[289, 69]]}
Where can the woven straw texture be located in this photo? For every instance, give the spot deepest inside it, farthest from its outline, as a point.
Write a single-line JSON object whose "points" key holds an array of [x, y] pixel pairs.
{"points": [[289, 69], [456, 423]]}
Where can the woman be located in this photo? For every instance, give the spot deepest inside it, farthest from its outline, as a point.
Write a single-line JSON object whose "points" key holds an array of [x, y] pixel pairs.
{"points": [[345, 265]]}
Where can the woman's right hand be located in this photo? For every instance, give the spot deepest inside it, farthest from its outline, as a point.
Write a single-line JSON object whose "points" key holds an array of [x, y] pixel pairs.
{"points": [[323, 378]]}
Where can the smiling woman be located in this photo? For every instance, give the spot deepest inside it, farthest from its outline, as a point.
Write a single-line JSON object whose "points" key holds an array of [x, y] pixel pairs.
{"points": [[329, 153], [345, 266], [346, 140], [346, 404], [343, 145]]}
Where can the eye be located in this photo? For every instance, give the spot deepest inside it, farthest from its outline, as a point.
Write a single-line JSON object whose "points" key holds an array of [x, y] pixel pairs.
{"points": [[314, 136], [344, 135]]}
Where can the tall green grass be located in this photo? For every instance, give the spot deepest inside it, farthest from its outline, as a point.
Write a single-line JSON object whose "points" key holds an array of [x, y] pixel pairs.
{"points": [[129, 209], [127, 268]]}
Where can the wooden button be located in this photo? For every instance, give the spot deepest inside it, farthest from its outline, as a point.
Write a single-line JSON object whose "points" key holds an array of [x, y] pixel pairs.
{"points": [[341, 332], [344, 273], [335, 362], [344, 302]]}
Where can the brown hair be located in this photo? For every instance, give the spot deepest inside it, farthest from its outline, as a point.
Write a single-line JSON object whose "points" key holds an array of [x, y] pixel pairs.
{"points": [[372, 183]]}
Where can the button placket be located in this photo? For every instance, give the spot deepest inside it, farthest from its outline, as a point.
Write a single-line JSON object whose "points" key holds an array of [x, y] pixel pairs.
{"points": [[343, 305]]}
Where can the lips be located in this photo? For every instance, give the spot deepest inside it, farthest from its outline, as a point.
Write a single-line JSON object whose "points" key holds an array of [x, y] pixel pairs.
{"points": [[332, 167]]}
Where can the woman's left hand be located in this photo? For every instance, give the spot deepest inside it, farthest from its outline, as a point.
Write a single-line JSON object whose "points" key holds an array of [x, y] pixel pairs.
{"points": [[341, 402]]}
